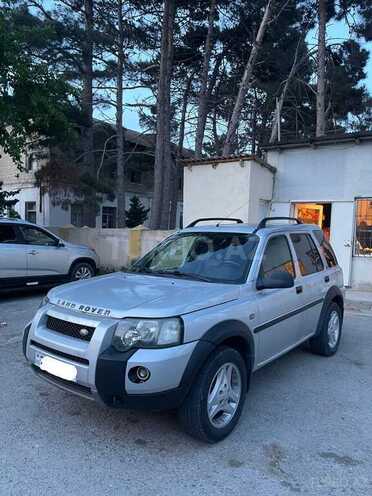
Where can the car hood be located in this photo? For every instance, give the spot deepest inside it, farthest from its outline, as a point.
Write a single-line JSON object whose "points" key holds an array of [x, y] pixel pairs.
{"points": [[134, 295]]}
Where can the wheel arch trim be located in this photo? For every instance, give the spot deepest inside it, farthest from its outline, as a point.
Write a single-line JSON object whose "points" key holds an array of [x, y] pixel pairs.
{"points": [[334, 294], [216, 336], [83, 260]]}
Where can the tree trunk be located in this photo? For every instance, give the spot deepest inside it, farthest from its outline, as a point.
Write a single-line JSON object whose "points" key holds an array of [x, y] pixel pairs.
{"points": [[204, 93], [278, 110], [177, 168], [120, 176], [162, 167], [89, 211], [320, 92], [246, 82]]}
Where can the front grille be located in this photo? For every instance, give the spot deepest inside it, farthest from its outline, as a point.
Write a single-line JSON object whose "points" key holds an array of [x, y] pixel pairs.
{"points": [[71, 329]]}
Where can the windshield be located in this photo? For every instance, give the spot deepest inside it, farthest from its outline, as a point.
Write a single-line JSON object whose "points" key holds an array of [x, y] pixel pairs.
{"points": [[211, 257]]}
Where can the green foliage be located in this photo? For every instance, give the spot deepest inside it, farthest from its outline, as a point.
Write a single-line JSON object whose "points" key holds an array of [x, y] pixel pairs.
{"points": [[7, 202], [34, 100], [137, 213]]}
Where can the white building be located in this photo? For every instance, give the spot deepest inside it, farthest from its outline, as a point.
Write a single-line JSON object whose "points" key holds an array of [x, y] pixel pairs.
{"points": [[327, 181], [234, 187], [45, 209]]}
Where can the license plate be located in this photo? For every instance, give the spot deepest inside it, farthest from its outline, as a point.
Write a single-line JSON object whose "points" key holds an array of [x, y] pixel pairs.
{"points": [[62, 370]]}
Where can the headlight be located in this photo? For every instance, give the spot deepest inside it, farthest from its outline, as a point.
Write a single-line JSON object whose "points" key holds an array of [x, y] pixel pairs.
{"points": [[147, 333], [44, 302]]}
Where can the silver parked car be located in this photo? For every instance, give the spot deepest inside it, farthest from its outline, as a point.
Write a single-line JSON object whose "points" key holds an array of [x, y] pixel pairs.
{"points": [[194, 318], [32, 256]]}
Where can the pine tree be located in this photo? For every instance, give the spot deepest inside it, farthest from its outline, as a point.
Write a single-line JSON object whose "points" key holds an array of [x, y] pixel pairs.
{"points": [[137, 213]]}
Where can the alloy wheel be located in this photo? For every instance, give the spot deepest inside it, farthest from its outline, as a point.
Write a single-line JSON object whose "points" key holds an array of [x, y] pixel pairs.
{"points": [[333, 329], [224, 395], [83, 272]]}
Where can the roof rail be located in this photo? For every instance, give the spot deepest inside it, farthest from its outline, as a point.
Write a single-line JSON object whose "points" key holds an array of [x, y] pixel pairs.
{"points": [[263, 222], [238, 221]]}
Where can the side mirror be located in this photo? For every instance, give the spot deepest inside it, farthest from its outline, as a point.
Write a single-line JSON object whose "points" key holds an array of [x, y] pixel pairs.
{"points": [[60, 244], [277, 280]]}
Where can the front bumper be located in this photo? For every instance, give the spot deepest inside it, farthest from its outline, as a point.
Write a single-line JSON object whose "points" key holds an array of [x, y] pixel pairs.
{"points": [[102, 372]]}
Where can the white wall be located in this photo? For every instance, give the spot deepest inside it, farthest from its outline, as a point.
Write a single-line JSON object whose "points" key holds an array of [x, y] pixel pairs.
{"points": [[260, 192], [334, 173], [361, 273], [228, 189]]}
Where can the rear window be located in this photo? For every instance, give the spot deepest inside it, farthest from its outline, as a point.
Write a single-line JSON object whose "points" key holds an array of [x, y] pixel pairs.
{"points": [[7, 234], [307, 254], [326, 249]]}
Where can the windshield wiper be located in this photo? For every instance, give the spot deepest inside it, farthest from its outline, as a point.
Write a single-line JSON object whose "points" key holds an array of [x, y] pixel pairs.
{"points": [[177, 273], [187, 275]]}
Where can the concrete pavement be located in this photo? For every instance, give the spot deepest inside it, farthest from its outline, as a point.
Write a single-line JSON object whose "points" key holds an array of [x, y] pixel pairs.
{"points": [[306, 429]]}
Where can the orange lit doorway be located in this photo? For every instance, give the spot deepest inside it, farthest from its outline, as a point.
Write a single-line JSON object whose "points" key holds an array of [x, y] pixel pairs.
{"points": [[315, 213]]}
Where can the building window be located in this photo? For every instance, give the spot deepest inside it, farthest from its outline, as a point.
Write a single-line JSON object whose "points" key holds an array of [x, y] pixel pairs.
{"points": [[30, 212], [135, 176], [31, 162], [108, 217], [77, 215], [363, 228]]}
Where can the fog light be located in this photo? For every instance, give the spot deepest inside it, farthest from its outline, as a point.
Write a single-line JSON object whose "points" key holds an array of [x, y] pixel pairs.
{"points": [[143, 373], [139, 374]]}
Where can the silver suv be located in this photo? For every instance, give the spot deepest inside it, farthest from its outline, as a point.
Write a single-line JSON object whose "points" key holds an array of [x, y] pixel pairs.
{"points": [[32, 256], [193, 319]]}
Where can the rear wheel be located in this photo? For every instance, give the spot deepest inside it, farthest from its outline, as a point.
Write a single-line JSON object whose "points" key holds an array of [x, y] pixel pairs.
{"points": [[82, 270], [215, 402], [328, 340]]}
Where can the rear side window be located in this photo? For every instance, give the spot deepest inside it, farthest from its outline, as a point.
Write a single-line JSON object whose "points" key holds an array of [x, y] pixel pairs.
{"points": [[326, 249], [307, 254], [277, 257], [7, 234]]}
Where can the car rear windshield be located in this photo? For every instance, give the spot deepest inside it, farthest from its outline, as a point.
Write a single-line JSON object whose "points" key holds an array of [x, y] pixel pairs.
{"points": [[212, 257]]}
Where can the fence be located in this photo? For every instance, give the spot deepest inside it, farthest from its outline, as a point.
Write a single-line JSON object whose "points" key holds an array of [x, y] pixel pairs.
{"points": [[116, 248]]}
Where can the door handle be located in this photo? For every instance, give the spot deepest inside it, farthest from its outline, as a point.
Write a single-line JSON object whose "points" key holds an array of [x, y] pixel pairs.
{"points": [[33, 252], [326, 279], [299, 289]]}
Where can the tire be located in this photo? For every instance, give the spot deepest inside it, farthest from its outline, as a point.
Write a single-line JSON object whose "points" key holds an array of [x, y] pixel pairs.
{"points": [[82, 270], [193, 414], [326, 343]]}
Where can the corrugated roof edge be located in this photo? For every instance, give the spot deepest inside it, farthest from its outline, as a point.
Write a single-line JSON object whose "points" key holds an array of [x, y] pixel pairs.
{"points": [[321, 141], [232, 158]]}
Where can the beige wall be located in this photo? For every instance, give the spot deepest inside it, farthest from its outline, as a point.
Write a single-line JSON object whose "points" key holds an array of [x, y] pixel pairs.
{"points": [[116, 248], [12, 177]]}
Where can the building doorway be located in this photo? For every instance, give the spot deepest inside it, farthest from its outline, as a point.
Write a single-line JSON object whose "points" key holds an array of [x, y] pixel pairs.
{"points": [[315, 213]]}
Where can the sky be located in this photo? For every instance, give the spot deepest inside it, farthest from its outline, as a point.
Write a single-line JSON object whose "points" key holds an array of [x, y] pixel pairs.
{"points": [[337, 32]]}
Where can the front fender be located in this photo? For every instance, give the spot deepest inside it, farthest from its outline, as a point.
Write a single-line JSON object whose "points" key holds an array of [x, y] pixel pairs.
{"points": [[230, 332]]}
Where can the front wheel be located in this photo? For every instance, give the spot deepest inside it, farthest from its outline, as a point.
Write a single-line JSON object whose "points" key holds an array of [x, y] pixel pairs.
{"points": [[215, 402], [326, 343], [82, 270]]}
